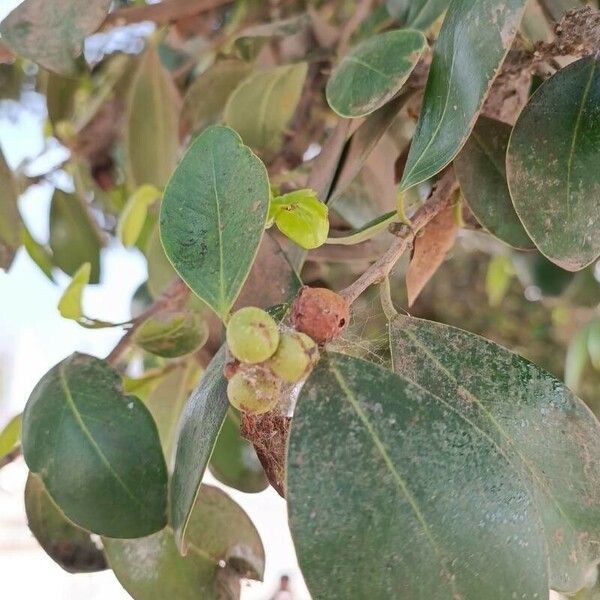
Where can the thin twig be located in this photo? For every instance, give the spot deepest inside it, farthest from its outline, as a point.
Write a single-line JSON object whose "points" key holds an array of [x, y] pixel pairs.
{"points": [[379, 270], [359, 14], [10, 457], [162, 13], [172, 298]]}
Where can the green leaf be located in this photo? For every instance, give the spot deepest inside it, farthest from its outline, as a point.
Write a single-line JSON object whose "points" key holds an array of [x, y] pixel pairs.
{"points": [[577, 359], [262, 106], [220, 532], [69, 304], [10, 220], [481, 172], [172, 334], [74, 237], [498, 277], [234, 461], [200, 423], [420, 14], [97, 450], [593, 343], [132, 219], [207, 95], [51, 32], [471, 47], [38, 253], [392, 494], [152, 123], [65, 543], [10, 436], [60, 96], [520, 408], [373, 72], [302, 217], [213, 215], [160, 271], [552, 165]]}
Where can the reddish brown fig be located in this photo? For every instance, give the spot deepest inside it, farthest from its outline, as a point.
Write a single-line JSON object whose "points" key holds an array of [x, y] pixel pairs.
{"points": [[320, 314]]}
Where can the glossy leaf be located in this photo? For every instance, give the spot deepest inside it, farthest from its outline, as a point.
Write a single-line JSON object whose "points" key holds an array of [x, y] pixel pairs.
{"points": [[65, 543], [234, 461], [471, 47], [419, 14], [10, 436], [520, 408], [481, 172], [51, 32], [172, 334], [69, 304], [97, 450], [213, 216], [302, 217], [152, 123], [223, 544], [262, 106], [74, 237], [373, 72], [392, 494], [10, 221], [552, 165], [200, 423], [207, 95], [135, 211]]}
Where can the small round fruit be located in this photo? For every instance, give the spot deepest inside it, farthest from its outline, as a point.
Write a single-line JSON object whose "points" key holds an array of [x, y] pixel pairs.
{"points": [[253, 392], [295, 357], [252, 335], [320, 313]]}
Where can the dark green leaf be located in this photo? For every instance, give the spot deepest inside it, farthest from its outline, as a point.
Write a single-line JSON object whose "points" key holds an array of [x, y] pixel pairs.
{"points": [[419, 14], [97, 450], [471, 47], [220, 532], [481, 172], [373, 72], [213, 216], [234, 461], [201, 421], [10, 220], [172, 334], [51, 32], [65, 543], [74, 237], [552, 166], [392, 494], [532, 419]]}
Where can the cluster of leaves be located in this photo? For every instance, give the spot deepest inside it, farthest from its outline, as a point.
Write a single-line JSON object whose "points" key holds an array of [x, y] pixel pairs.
{"points": [[225, 151]]}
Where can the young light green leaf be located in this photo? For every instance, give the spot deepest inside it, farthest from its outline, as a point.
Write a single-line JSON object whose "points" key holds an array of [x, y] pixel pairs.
{"points": [[200, 423], [577, 359], [262, 106], [373, 72], [74, 236], [65, 543], [213, 216], [152, 123], [207, 95], [497, 279], [69, 304], [234, 461], [76, 426], [552, 165], [481, 172], [471, 47], [10, 220], [172, 334], [593, 343], [51, 32], [403, 498], [224, 547], [38, 253], [10, 436], [133, 217], [420, 14], [519, 408], [302, 217]]}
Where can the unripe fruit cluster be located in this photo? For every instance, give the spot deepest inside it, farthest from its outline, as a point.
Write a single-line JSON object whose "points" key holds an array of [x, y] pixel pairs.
{"points": [[266, 359]]}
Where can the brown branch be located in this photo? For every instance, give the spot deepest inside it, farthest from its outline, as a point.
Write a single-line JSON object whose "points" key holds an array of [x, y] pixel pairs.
{"points": [[172, 298], [359, 14], [379, 270], [163, 13], [10, 457]]}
